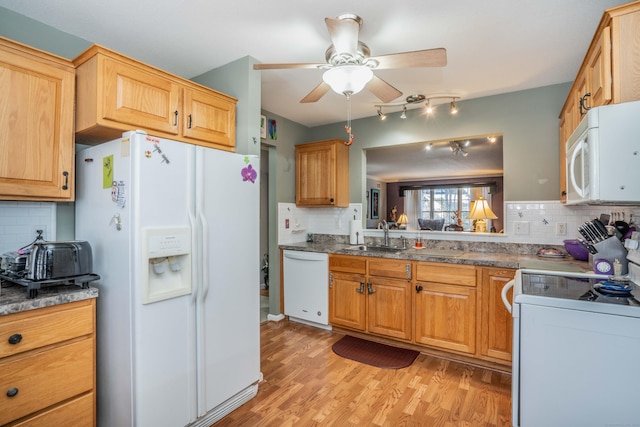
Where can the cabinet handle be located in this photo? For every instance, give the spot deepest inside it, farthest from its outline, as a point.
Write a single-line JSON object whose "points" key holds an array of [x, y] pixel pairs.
{"points": [[65, 186], [175, 118], [15, 339], [360, 290], [370, 289], [330, 280], [583, 106], [408, 269], [12, 391], [189, 122], [418, 289]]}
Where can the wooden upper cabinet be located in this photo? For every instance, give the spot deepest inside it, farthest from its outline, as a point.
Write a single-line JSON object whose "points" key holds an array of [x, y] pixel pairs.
{"points": [[609, 74], [322, 174], [610, 71], [116, 94], [134, 97], [36, 141]]}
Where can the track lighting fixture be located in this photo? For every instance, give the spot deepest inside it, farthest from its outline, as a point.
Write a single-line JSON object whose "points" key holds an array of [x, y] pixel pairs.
{"points": [[416, 99], [429, 146]]}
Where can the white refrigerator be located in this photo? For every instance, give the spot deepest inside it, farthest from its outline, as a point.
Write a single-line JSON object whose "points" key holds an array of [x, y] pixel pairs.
{"points": [[174, 233]]}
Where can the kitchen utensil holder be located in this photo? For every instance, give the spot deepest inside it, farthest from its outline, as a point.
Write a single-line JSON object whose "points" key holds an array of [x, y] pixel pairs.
{"points": [[611, 249]]}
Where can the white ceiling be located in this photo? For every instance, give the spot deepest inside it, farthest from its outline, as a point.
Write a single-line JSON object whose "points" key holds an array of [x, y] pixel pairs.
{"points": [[493, 46]]}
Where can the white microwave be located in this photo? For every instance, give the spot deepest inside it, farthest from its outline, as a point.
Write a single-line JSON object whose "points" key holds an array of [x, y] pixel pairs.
{"points": [[603, 156]]}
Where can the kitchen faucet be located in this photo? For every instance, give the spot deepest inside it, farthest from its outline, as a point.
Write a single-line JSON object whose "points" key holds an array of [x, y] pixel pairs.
{"points": [[385, 229]]}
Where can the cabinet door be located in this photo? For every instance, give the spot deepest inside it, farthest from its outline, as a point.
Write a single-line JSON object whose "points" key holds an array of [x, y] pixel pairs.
{"points": [[496, 323], [389, 307], [138, 98], [315, 175], [446, 316], [36, 139], [209, 118], [599, 70], [347, 293]]}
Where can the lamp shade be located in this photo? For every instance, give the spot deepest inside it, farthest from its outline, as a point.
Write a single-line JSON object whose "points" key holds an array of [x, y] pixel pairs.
{"points": [[347, 79], [403, 220], [481, 210]]}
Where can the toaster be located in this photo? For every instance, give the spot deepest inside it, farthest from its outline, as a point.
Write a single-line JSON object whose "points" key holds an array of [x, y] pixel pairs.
{"points": [[57, 260]]}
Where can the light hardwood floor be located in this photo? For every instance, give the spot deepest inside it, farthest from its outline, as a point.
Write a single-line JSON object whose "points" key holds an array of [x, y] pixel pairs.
{"points": [[306, 384]]}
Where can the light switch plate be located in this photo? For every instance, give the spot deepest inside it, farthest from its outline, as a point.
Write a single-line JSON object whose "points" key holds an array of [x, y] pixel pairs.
{"points": [[521, 227]]}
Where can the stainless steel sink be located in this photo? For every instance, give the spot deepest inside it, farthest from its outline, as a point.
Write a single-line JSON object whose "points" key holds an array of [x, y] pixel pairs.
{"points": [[369, 248]]}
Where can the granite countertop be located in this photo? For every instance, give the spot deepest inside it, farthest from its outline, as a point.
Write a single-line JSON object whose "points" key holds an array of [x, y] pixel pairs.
{"points": [[472, 255], [13, 298]]}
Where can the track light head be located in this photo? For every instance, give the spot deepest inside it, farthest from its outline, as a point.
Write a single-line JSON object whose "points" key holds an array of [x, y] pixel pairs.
{"points": [[453, 108], [381, 116], [428, 108], [404, 112]]}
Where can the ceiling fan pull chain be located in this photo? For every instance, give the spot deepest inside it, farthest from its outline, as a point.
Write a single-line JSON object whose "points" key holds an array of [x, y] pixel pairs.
{"points": [[347, 127]]}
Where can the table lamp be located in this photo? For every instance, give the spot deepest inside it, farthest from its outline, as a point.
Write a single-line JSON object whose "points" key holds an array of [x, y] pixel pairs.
{"points": [[480, 211]]}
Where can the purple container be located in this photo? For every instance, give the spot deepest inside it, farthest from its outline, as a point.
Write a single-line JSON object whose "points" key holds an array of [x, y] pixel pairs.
{"points": [[576, 250]]}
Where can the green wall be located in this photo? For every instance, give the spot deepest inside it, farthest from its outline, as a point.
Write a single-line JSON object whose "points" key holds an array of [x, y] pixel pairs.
{"points": [[527, 119]]}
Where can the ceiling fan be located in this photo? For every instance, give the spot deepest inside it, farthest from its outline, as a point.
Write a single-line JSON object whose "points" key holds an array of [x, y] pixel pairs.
{"points": [[349, 64]]}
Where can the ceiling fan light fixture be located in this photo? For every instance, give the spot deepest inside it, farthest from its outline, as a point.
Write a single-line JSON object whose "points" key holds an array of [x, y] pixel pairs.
{"points": [[347, 79]]}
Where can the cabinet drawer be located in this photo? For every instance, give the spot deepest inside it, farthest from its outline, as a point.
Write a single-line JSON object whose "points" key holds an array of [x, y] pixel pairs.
{"points": [[49, 326], [347, 264], [77, 412], [399, 269], [44, 378], [446, 273]]}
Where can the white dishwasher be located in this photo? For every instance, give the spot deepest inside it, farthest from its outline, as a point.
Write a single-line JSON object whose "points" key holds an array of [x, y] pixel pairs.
{"points": [[306, 290]]}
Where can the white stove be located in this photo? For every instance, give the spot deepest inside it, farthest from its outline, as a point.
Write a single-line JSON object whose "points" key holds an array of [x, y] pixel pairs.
{"points": [[576, 336]]}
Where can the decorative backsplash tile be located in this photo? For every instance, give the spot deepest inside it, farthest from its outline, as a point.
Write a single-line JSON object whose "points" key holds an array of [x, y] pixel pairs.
{"points": [[20, 220], [535, 222]]}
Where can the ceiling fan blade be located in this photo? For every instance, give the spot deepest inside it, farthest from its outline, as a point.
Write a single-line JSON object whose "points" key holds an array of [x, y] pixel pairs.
{"points": [[344, 34], [317, 93], [383, 90], [419, 58], [285, 66]]}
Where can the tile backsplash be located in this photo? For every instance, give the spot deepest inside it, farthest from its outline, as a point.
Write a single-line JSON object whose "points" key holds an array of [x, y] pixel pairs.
{"points": [[20, 220], [537, 222]]}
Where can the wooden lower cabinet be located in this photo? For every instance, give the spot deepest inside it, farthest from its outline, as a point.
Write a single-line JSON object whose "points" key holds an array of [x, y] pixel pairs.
{"points": [[389, 308], [446, 317], [496, 324], [453, 308], [380, 305], [347, 306], [47, 366]]}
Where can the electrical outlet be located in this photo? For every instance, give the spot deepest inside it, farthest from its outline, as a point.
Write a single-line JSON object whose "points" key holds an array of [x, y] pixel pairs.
{"points": [[521, 227], [561, 228]]}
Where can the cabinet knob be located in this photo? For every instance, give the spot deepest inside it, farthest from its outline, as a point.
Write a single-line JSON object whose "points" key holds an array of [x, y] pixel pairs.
{"points": [[370, 289], [418, 289], [12, 391], [15, 339], [360, 290]]}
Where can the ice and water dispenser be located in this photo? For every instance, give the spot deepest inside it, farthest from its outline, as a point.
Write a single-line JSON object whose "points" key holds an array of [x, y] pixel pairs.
{"points": [[166, 261]]}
